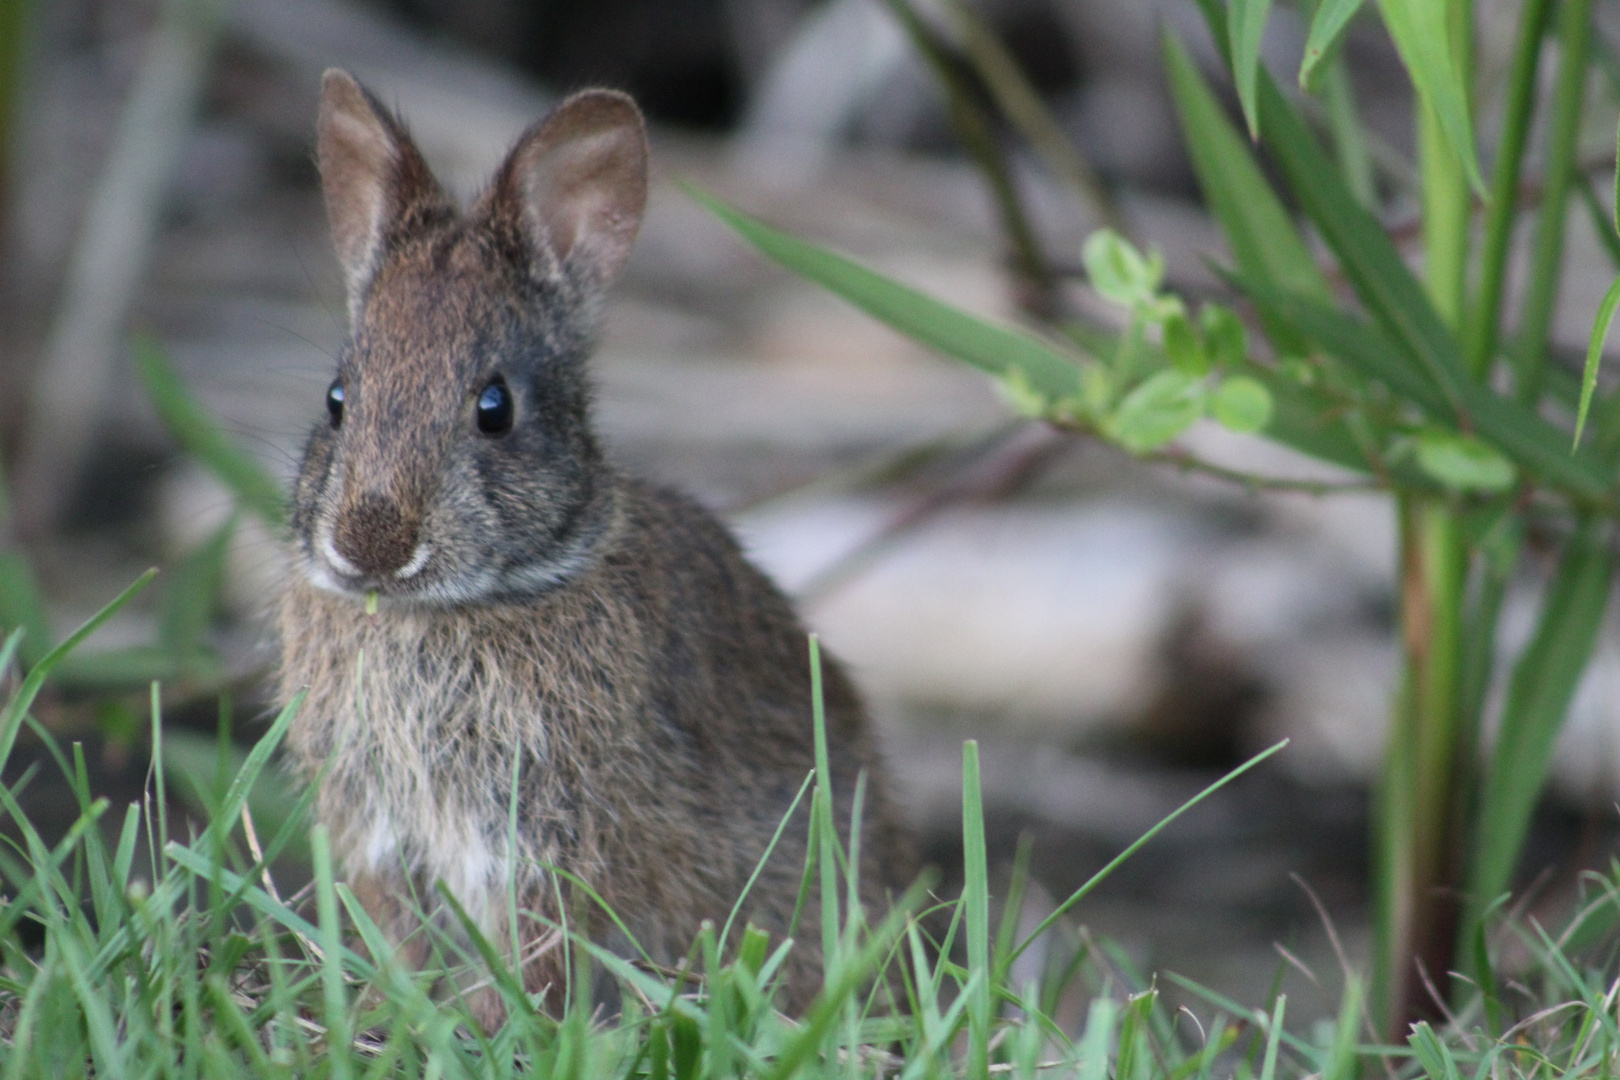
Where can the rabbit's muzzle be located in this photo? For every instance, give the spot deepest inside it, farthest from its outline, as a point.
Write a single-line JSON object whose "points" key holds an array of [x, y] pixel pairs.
{"points": [[373, 537]]}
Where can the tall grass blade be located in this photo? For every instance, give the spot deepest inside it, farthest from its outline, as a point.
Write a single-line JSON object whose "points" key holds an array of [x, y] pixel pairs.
{"points": [[991, 348], [976, 899], [334, 991], [11, 717], [1514, 429], [1544, 681], [1594, 356], [1423, 39], [200, 435], [1245, 26], [1265, 240], [1369, 259], [1113, 864], [1274, 1029], [1322, 44]]}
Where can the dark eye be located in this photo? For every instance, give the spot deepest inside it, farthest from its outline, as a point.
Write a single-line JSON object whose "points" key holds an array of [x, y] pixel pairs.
{"points": [[495, 408], [334, 402]]}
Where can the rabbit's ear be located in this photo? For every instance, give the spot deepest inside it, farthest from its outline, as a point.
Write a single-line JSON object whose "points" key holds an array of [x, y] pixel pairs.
{"points": [[378, 188], [576, 185]]}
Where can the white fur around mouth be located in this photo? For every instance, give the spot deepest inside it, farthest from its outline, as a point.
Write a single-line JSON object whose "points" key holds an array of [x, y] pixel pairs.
{"points": [[419, 559], [329, 552]]}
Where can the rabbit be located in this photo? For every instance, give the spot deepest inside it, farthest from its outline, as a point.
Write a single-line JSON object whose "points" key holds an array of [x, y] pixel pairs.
{"points": [[550, 641]]}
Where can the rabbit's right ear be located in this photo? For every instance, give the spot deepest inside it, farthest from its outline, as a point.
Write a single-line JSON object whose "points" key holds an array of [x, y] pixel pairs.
{"points": [[378, 187]]}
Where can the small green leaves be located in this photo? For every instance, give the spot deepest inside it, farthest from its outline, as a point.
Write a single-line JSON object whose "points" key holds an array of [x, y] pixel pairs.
{"points": [[1463, 462], [1245, 26], [1594, 356], [1157, 411], [1119, 272], [1241, 404], [1223, 336]]}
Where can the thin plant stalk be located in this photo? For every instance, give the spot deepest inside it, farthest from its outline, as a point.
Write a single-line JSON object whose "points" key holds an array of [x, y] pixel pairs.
{"points": [[1541, 290], [1502, 211], [1424, 782]]}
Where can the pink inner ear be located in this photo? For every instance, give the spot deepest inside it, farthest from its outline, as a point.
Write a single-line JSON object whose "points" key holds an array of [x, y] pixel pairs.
{"points": [[581, 180]]}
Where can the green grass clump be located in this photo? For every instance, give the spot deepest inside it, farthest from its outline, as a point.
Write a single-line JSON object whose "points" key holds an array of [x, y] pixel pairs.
{"points": [[130, 952]]}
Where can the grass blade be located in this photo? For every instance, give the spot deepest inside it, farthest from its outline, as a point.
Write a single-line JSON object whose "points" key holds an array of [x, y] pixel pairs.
{"points": [[976, 897], [1265, 241], [1374, 268], [1245, 26], [1422, 35], [1274, 1028], [1543, 683], [11, 717], [1328, 27], [201, 437], [991, 348], [1513, 428], [1101, 875], [1594, 356]]}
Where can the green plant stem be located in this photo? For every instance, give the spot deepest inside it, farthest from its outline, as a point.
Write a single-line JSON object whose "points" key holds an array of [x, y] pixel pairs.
{"points": [[1419, 806], [1485, 324], [1541, 292], [1416, 831]]}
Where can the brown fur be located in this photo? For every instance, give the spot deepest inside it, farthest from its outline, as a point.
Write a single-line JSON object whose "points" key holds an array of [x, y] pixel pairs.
{"points": [[538, 611]]}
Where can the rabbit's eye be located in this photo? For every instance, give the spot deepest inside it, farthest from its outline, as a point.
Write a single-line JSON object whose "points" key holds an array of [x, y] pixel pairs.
{"points": [[334, 402], [495, 408]]}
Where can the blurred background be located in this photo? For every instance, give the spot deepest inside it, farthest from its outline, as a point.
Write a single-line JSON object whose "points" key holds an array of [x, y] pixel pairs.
{"points": [[1116, 634]]}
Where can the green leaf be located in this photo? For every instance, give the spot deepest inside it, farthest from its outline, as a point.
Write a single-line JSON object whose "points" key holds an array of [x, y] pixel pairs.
{"points": [[1515, 429], [1327, 35], [1544, 681], [1241, 404], [1423, 38], [1265, 241], [1432, 1054], [1615, 202], [1182, 346], [1118, 271], [1374, 268], [1463, 462], [1594, 356], [991, 348], [1224, 336], [1245, 26], [201, 437], [1157, 411]]}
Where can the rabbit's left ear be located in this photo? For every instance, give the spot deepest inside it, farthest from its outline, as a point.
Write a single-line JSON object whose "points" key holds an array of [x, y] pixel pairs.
{"points": [[576, 186]]}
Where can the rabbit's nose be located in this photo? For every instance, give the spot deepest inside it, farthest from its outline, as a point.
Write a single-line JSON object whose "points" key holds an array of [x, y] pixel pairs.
{"points": [[374, 536]]}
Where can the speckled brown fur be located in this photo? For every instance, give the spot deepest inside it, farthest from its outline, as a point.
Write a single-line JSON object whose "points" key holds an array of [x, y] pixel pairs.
{"points": [[538, 611]]}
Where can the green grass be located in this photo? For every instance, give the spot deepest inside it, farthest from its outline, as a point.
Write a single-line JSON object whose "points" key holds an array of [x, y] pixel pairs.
{"points": [[136, 945]]}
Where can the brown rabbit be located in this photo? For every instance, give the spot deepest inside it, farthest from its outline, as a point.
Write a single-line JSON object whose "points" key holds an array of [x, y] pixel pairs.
{"points": [[538, 613]]}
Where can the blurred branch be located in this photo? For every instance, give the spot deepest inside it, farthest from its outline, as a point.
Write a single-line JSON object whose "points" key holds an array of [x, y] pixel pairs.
{"points": [[13, 36], [1021, 104], [975, 128], [105, 265], [995, 469]]}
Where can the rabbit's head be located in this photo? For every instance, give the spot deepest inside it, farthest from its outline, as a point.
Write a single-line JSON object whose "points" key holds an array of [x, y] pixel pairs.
{"points": [[456, 463]]}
